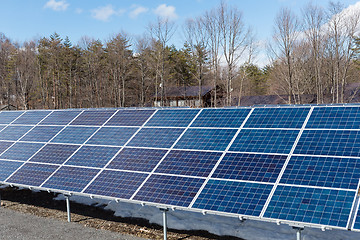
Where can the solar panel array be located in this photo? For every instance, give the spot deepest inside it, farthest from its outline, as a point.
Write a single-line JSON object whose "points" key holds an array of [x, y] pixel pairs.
{"points": [[296, 164]]}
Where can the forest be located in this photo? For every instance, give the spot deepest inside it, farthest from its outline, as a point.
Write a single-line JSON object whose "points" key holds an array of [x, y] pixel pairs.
{"points": [[315, 52]]}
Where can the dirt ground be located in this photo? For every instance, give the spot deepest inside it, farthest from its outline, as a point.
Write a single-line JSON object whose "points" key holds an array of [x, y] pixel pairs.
{"points": [[42, 204]]}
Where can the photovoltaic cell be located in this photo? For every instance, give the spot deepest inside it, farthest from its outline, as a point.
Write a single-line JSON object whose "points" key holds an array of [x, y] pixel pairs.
{"points": [[335, 118], [31, 117], [41, 133], [264, 141], [13, 133], [277, 118], [206, 139], [54, 153], [114, 136], [172, 190], [311, 205], [191, 163], [130, 118], [60, 117], [322, 172], [21, 151], [137, 159], [7, 117], [250, 167], [7, 168], [94, 118], [156, 137], [172, 118], [227, 118], [4, 146], [243, 198], [75, 135], [116, 184]]}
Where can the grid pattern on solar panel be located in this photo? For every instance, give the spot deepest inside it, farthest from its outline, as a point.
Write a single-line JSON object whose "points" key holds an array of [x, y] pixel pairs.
{"points": [[311, 205], [116, 184], [172, 118], [8, 117], [233, 197], [264, 140], [21, 151], [191, 163], [156, 137], [172, 190], [335, 118], [32, 174], [60, 117], [137, 159], [93, 118], [71, 178], [113, 136], [251, 167], [4, 146], [54, 153], [329, 142], [357, 220], [2, 127], [7, 168], [13, 133], [130, 118], [322, 172], [31, 117], [277, 118], [93, 156], [206, 139], [75, 135], [227, 118], [41, 133]]}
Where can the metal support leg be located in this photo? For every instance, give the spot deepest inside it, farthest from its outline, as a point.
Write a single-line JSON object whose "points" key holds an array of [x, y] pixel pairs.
{"points": [[164, 210], [68, 208], [0, 199], [298, 232]]}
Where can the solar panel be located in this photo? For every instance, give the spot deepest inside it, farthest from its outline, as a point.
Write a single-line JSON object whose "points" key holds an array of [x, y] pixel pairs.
{"points": [[60, 117], [41, 134], [21, 151], [75, 135], [4, 146], [356, 224], [93, 118], [113, 136], [13, 133], [31, 117], [130, 118], [54, 153], [156, 137], [7, 117], [32, 174], [172, 118], [7, 168], [335, 118]]}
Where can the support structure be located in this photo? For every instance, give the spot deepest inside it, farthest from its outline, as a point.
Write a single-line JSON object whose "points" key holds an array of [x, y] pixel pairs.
{"points": [[298, 232], [164, 210], [68, 207]]}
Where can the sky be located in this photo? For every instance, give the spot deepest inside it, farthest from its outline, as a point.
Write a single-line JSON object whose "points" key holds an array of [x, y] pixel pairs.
{"points": [[23, 20]]}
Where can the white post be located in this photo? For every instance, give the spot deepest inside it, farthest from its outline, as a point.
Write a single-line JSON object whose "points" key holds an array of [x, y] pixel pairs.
{"points": [[68, 207], [298, 232], [164, 210]]}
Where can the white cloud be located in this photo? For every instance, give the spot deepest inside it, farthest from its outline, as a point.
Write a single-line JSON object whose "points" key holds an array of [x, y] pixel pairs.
{"points": [[104, 13], [166, 11], [137, 11], [60, 5], [79, 11]]}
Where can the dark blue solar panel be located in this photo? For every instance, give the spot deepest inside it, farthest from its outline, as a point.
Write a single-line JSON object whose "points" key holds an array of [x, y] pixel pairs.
{"points": [[114, 136], [93, 156], [71, 178], [335, 117], [4, 146], [94, 118], [229, 118], [263, 140], [329, 142], [116, 184], [251, 167], [311, 205], [130, 118], [172, 118], [21, 151], [7, 168], [192, 163], [54, 153], [41, 133], [76, 135], [32, 174], [14, 133], [7, 117], [177, 191], [277, 118], [357, 220], [60, 117], [206, 139], [137, 159], [233, 197], [156, 137], [32, 117], [322, 172]]}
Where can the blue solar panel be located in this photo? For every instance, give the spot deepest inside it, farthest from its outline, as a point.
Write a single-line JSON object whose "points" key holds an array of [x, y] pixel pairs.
{"points": [[191, 163], [156, 137], [4, 146], [172, 118], [322, 172], [14, 133], [311, 205], [2, 127], [31, 117], [265, 141], [60, 117], [71, 178], [54, 153], [76, 135], [251, 167], [137, 159], [32, 174], [329, 142], [357, 220], [116, 184], [94, 118], [277, 118], [7, 117], [206, 139], [233, 197], [115, 136], [7, 168], [335, 117], [41, 133], [172, 190], [21, 151], [93, 156], [229, 118], [130, 118]]}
